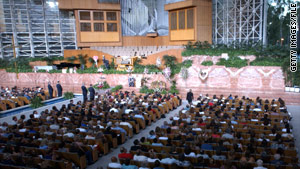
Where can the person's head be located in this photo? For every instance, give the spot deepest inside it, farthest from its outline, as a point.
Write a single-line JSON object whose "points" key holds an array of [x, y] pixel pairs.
{"points": [[259, 163], [58, 82], [136, 142], [91, 85], [190, 90], [49, 83], [142, 139], [156, 163], [277, 156], [14, 118], [83, 84], [123, 150], [127, 161], [114, 159]]}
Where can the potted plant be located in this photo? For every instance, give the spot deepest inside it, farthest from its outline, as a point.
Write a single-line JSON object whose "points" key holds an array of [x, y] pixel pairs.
{"points": [[68, 95], [36, 102]]}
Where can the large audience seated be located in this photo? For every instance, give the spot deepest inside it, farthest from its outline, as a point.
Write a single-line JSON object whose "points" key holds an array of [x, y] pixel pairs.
{"points": [[218, 132], [15, 97], [77, 134]]}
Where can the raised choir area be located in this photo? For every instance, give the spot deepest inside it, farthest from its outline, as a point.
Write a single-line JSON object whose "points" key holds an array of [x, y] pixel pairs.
{"points": [[142, 51]]}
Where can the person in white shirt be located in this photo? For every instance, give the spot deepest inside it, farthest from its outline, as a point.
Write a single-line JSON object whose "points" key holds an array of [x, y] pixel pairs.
{"points": [[114, 163], [54, 126], [152, 158], [114, 109], [82, 130], [168, 160], [126, 124], [188, 152], [259, 164], [139, 157], [70, 135], [128, 110]]}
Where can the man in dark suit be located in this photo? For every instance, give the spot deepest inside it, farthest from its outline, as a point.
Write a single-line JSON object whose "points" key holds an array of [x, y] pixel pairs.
{"points": [[50, 90], [84, 92], [59, 89], [92, 92], [190, 96]]}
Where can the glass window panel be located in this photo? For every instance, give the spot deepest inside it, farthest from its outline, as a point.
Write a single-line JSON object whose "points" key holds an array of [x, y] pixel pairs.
{"points": [[99, 27], [190, 18], [85, 27], [85, 15], [98, 16], [112, 27], [181, 19], [174, 21], [111, 16]]}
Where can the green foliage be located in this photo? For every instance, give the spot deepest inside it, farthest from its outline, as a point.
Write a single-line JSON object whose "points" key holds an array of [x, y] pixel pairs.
{"points": [[113, 71], [68, 95], [278, 21], [266, 61], [117, 88], [41, 71], [112, 64], [82, 59], [89, 70], [164, 91], [36, 102], [171, 61], [207, 63], [233, 62], [54, 58], [138, 68], [20, 70], [72, 59], [173, 88], [55, 71], [146, 90]]}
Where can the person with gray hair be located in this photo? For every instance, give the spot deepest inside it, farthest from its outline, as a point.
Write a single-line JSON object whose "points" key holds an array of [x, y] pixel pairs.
{"points": [[114, 163], [259, 163]]}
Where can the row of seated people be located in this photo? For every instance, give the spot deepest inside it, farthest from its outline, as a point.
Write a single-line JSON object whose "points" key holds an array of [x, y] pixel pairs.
{"points": [[15, 97], [218, 133], [77, 134]]}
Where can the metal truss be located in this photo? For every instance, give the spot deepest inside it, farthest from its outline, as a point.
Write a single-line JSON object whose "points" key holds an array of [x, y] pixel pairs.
{"points": [[38, 26], [239, 21]]}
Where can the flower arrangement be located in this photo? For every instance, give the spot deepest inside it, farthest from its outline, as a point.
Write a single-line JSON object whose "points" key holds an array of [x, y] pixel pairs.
{"points": [[101, 85]]}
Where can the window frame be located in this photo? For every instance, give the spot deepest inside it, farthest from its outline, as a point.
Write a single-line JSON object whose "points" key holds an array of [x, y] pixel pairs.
{"points": [[185, 19], [104, 21]]}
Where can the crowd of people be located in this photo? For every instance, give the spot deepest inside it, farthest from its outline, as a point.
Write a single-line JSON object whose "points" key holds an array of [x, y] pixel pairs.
{"points": [[15, 97], [217, 132], [77, 134]]}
